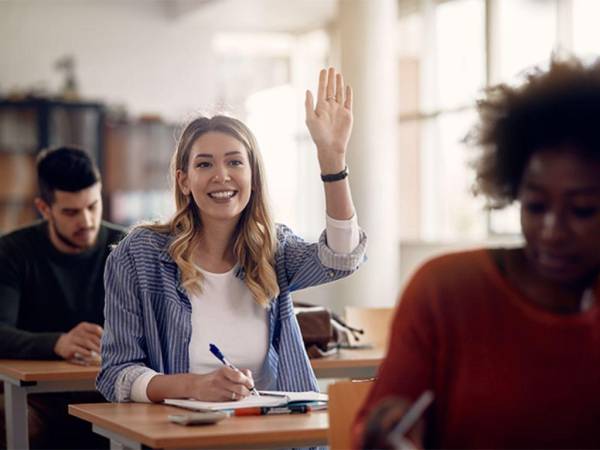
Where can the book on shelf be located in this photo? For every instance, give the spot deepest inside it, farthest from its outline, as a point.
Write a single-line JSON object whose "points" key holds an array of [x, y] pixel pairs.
{"points": [[268, 399]]}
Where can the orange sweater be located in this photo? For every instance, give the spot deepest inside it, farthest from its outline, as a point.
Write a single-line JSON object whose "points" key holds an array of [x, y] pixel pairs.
{"points": [[505, 373]]}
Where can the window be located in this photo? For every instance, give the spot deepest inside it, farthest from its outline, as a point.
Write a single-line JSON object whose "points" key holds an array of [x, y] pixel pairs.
{"points": [[448, 51], [442, 69], [585, 31]]}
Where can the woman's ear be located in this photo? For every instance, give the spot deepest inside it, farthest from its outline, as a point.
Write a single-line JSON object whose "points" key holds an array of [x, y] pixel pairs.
{"points": [[182, 181]]}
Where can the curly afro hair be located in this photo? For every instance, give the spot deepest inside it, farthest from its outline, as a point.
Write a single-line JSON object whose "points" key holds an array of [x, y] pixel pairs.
{"points": [[557, 108]]}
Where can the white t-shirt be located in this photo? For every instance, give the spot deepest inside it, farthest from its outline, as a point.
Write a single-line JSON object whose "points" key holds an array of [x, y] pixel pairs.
{"points": [[230, 319]]}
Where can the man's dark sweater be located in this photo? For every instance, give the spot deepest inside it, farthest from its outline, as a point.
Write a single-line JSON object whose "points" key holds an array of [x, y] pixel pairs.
{"points": [[44, 292]]}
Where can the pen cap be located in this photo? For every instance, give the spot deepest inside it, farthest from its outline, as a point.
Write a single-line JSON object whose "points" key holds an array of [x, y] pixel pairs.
{"points": [[215, 351]]}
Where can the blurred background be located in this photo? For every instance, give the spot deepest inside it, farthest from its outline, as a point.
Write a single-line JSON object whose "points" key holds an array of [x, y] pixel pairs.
{"points": [[120, 77]]}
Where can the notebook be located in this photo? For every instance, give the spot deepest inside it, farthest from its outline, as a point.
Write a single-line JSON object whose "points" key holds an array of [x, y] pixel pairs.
{"points": [[267, 399]]}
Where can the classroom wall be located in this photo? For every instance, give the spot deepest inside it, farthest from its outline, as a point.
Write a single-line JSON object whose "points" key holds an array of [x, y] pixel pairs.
{"points": [[154, 56], [124, 52]]}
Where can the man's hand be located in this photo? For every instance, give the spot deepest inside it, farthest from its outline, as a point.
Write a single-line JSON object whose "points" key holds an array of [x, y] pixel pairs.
{"points": [[81, 343]]}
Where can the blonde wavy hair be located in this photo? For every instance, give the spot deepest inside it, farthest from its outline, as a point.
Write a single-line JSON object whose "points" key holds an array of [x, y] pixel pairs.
{"points": [[254, 240]]}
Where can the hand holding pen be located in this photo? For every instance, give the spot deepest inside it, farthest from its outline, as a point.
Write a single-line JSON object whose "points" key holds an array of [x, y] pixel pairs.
{"points": [[397, 424], [413, 414], [219, 355]]}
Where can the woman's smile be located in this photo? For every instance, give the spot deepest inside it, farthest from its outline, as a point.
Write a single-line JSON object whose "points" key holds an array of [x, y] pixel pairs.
{"points": [[222, 196]]}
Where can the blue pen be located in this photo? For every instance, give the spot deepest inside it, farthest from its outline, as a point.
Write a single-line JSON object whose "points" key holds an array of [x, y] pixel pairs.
{"points": [[215, 351]]}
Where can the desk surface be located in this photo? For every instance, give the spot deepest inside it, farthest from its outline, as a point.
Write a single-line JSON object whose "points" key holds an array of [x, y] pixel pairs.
{"points": [[30, 370], [149, 425], [349, 358]]}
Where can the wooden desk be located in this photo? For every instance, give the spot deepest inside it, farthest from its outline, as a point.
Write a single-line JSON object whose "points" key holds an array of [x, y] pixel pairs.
{"points": [[134, 425], [23, 377], [348, 363]]}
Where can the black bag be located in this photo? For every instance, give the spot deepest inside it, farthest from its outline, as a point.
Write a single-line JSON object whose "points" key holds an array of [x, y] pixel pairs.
{"points": [[323, 332]]}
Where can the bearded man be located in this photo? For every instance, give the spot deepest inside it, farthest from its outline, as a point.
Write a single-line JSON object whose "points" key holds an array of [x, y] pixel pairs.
{"points": [[51, 277]]}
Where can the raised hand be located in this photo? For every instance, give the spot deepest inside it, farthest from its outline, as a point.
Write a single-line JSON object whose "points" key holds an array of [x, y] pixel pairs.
{"points": [[330, 122]]}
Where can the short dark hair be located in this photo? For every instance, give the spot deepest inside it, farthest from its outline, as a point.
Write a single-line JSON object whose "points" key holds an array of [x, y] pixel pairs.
{"points": [[557, 108], [65, 169]]}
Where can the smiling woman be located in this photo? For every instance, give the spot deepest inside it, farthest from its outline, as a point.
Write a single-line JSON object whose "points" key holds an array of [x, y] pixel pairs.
{"points": [[221, 272]]}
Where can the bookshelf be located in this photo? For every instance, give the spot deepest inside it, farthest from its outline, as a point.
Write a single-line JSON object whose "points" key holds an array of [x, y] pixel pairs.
{"points": [[137, 183], [30, 125]]}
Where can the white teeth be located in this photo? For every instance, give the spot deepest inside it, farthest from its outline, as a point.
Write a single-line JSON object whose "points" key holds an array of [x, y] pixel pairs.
{"points": [[222, 194]]}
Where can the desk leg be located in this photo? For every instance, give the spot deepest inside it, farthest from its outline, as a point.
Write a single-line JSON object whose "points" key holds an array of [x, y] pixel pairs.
{"points": [[116, 445], [117, 442], [15, 404]]}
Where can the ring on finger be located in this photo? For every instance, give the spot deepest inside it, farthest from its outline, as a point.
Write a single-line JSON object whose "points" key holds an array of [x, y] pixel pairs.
{"points": [[330, 98]]}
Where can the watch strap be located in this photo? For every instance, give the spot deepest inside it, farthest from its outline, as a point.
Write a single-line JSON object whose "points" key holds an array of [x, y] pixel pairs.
{"points": [[328, 178]]}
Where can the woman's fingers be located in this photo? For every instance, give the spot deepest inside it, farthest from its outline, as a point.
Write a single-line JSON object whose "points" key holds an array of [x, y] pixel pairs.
{"points": [[331, 87], [348, 102], [339, 88], [309, 105], [322, 90], [237, 381], [234, 391], [248, 374], [239, 391], [330, 84]]}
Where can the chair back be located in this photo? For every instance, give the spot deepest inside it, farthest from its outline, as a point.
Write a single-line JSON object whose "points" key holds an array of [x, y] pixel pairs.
{"points": [[345, 399], [375, 322]]}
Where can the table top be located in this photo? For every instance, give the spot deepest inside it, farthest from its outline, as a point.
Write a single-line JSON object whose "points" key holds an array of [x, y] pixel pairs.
{"points": [[349, 358], [41, 370], [148, 424]]}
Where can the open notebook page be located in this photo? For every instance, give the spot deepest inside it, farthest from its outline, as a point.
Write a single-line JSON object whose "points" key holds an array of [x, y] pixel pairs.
{"points": [[267, 398]]}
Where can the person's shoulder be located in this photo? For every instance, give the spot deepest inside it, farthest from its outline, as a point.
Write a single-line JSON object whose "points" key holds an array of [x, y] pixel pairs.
{"points": [[455, 260], [454, 268], [22, 237], [285, 234], [26, 231], [143, 241], [282, 230], [444, 281]]}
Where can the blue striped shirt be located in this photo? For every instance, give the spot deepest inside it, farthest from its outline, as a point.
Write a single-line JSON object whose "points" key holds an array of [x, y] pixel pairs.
{"points": [[148, 313]]}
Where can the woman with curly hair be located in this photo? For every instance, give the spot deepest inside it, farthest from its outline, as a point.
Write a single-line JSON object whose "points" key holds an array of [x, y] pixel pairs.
{"points": [[508, 339], [221, 272]]}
